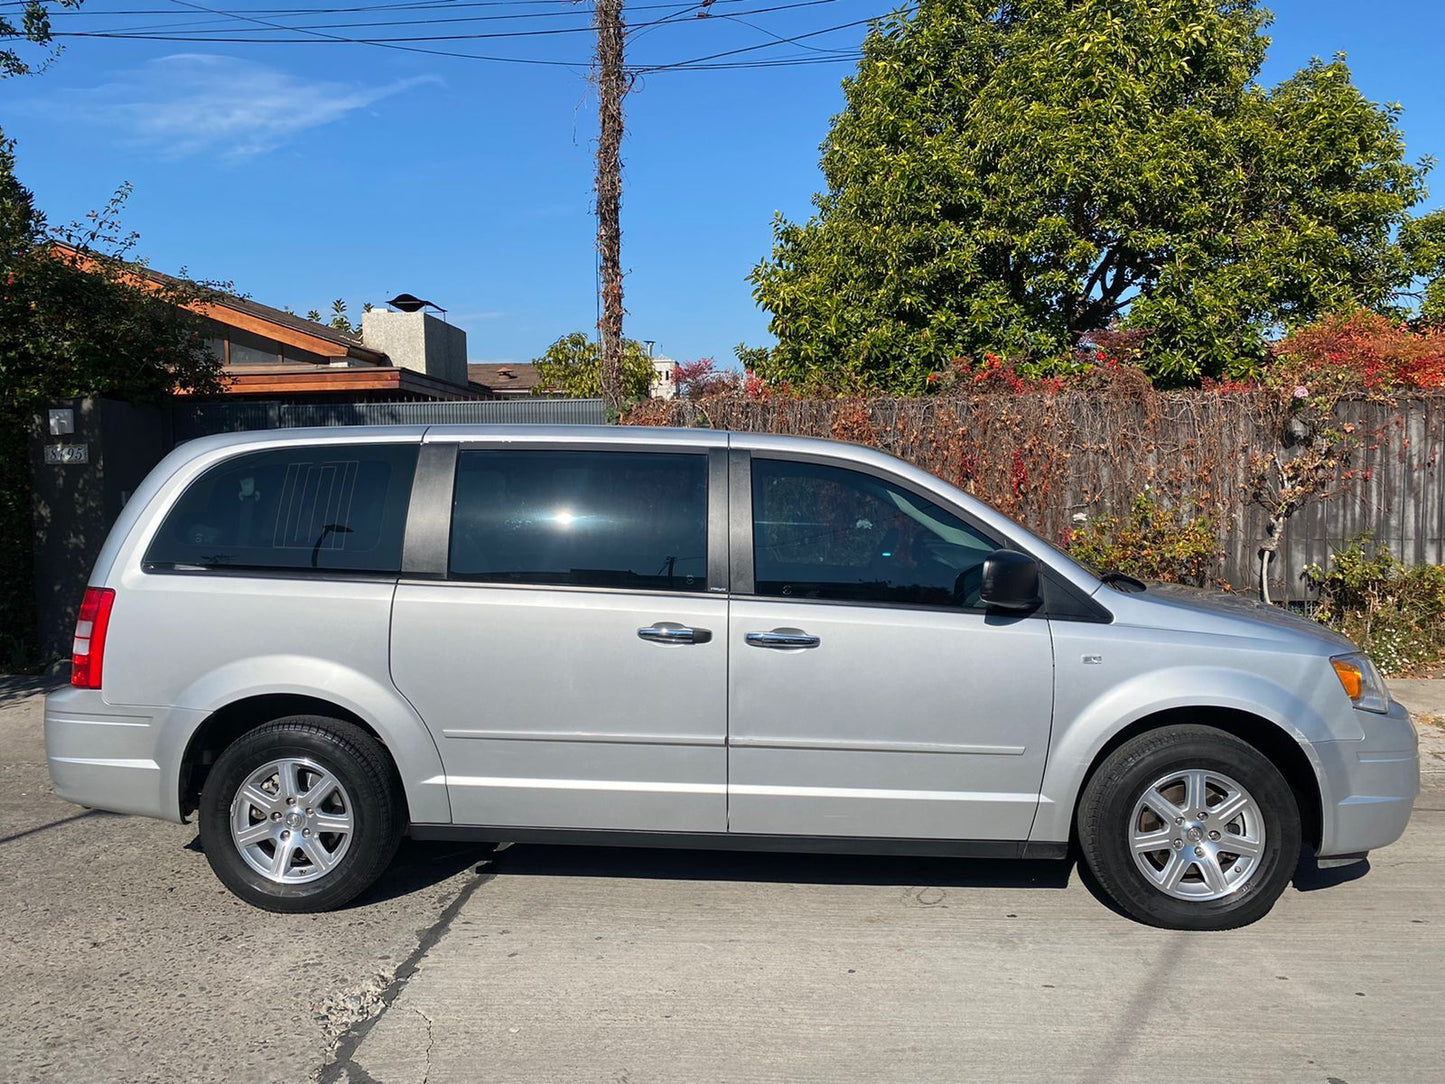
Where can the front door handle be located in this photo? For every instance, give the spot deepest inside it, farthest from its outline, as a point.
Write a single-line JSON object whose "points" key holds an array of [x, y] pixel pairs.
{"points": [[782, 638], [665, 632]]}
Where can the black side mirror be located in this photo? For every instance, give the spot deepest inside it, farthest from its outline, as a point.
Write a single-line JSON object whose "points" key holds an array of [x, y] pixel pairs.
{"points": [[1010, 581]]}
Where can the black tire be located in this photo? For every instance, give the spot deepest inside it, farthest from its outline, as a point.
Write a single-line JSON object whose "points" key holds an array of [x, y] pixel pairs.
{"points": [[362, 768], [1109, 802]]}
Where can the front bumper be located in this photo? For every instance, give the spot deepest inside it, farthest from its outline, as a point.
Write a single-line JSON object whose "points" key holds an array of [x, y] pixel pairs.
{"points": [[125, 760], [1368, 787]]}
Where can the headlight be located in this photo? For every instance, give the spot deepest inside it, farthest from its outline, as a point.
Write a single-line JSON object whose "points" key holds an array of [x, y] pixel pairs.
{"points": [[1361, 682]]}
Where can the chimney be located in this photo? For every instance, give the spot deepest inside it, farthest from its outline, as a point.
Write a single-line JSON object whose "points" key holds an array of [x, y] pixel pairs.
{"points": [[418, 341]]}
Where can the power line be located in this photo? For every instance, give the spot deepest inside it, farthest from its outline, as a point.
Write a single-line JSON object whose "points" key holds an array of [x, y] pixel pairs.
{"points": [[319, 33], [764, 30], [216, 36], [572, 11], [448, 5], [226, 17], [687, 64]]}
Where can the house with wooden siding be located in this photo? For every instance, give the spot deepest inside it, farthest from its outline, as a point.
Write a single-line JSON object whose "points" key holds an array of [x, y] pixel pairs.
{"points": [[271, 353]]}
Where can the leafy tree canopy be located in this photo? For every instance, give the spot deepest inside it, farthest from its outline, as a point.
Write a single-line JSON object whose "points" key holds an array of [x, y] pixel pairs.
{"points": [[573, 366], [1422, 240], [80, 320], [1006, 177], [32, 29], [74, 321]]}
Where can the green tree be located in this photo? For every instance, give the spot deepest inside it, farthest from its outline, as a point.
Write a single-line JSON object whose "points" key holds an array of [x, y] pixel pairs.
{"points": [[752, 358], [75, 321], [1006, 177], [79, 317], [572, 366], [33, 29], [1422, 240]]}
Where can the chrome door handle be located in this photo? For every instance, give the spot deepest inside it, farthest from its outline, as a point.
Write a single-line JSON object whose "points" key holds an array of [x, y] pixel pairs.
{"points": [[668, 633], [782, 638]]}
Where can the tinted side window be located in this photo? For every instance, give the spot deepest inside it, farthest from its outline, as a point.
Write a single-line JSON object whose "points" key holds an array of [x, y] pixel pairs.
{"points": [[337, 507], [822, 532], [584, 518]]}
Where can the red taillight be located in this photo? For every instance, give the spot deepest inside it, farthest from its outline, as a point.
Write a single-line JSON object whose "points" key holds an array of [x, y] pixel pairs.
{"points": [[89, 651]]}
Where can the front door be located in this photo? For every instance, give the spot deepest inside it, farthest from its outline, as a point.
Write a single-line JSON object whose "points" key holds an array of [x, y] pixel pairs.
{"points": [[869, 692], [571, 660]]}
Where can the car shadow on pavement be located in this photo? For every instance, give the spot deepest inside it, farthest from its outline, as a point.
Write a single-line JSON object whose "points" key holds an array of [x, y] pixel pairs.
{"points": [[417, 865], [17, 687], [13, 836], [420, 864], [1309, 877], [552, 860]]}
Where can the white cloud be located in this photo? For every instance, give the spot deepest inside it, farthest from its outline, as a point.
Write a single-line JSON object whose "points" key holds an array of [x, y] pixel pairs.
{"points": [[193, 103]]}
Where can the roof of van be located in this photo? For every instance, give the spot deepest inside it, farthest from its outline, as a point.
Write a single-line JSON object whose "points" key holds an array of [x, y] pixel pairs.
{"points": [[533, 434], [521, 433]]}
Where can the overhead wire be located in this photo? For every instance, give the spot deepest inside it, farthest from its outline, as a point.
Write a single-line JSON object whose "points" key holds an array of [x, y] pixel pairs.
{"points": [[439, 12], [573, 11], [205, 34], [697, 62], [208, 35]]}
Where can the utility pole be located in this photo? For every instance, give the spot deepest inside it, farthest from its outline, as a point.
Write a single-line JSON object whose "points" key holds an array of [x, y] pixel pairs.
{"points": [[611, 87]]}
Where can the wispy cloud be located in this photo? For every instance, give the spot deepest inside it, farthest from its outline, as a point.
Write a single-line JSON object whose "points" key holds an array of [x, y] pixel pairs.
{"points": [[194, 103]]}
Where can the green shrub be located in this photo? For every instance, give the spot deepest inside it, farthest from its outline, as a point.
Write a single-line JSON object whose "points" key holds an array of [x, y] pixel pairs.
{"points": [[1394, 611], [1153, 541]]}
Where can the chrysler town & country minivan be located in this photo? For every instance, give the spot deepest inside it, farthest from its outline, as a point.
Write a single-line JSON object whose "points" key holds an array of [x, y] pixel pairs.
{"points": [[319, 641]]}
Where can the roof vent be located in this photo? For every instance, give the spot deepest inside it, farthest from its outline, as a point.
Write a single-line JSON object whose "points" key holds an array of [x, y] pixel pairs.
{"points": [[412, 303]]}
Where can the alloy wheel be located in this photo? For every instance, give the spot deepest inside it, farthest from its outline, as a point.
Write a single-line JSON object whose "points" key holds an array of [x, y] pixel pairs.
{"points": [[1197, 835], [292, 820]]}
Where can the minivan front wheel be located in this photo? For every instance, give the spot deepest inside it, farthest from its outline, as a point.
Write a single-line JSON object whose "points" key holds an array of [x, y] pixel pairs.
{"points": [[300, 814], [1189, 827]]}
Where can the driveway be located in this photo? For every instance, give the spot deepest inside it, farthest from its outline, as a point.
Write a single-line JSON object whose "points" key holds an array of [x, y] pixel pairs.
{"points": [[124, 960]]}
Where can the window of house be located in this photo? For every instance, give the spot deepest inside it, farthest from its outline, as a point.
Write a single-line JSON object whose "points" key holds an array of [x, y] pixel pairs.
{"points": [[244, 353], [581, 518], [331, 507], [823, 532]]}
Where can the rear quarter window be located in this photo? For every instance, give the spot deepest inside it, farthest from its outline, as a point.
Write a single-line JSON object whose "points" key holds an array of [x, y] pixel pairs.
{"points": [[331, 507]]}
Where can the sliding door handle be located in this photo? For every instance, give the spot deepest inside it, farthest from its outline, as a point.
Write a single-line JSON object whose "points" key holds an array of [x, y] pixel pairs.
{"points": [[665, 632], [782, 638]]}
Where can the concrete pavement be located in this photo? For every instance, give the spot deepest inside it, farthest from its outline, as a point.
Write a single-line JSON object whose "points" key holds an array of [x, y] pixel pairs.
{"points": [[614, 966], [1423, 696], [124, 960]]}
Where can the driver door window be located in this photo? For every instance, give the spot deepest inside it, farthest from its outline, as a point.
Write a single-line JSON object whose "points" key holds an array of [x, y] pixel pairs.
{"points": [[823, 532]]}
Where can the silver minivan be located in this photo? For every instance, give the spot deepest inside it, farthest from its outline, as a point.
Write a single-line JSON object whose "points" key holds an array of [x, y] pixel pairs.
{"points": [[322, 640]]}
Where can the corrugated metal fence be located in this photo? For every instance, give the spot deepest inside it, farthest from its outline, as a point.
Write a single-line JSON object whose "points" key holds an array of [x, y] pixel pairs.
{"points": [[202, 419]]}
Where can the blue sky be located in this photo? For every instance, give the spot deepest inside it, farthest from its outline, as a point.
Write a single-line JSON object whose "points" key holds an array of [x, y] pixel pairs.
{"points": [[309, 172]]}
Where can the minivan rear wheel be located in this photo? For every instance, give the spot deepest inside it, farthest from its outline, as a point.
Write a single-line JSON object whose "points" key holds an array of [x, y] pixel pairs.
{"points": [[300, 814], [1190, 828]]}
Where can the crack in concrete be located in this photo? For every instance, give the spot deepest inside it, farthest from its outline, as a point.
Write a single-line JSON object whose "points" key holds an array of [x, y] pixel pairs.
{"points": [[342, 1065], [430, 1038]]}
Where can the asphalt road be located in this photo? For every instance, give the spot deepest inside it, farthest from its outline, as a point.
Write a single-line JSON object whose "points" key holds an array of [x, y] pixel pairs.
{"points": [[124, 960]]}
